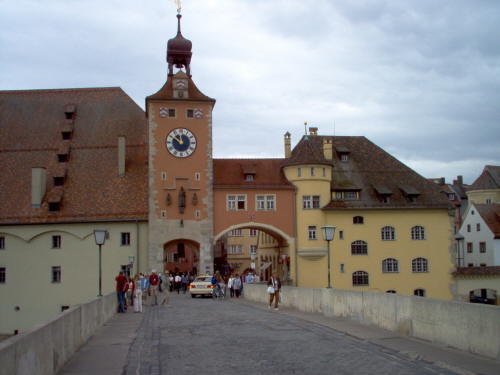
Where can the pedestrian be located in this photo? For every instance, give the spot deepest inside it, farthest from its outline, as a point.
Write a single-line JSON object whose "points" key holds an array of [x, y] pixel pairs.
{"points": [[144, 287], [153, 285], [184, 282], [130, 292], [237, 285], [121, 281], [137, 294], [230, 285], [171, 282], [274, 288], [178, 283], [160, 282]]}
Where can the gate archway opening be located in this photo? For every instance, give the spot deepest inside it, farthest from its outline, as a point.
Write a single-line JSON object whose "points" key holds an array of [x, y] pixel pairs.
{"points": [[253, 249], [181, 255]]}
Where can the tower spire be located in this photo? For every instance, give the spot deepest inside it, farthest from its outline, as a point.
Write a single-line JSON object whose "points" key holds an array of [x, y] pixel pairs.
{"points": [[179, 49]]}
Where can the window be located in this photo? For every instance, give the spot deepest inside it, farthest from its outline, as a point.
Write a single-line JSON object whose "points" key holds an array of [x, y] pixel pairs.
{"points": [[482, 265], [163, 213], [3, 275], [488, 201], [241, 202], [358, 220], [56, 274], [190, 113], [231, 202], [478, 227], [299, 172], [419, 265], [58, 181], [197, 176], [236, 233], [54, 206], [315, 201], [417, 233], [311, 231], [66, 136], [347, 195], [469, 247], [482, 247], [197, 214], [324, 172], [359, 278], [385, 199], [470, 264], [390, 265], [63, 158], [249, 177], [56, 242], [171, 112], [265, 202], [312, 171], [236, 202], [342, 267], [341, 234], [388, 233], [468, 227], [2, 243], [235, 249], [391, 291], [344, 157], [412, 198], [419, 292], [359, 248], [451, 196], [310, 201], [253, 249], [253, 232], [125, 241], [164, 176]]}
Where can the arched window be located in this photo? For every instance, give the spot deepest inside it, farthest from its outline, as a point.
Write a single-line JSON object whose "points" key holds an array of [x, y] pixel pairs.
{"points": [[417, 233], [358, 220], [391, 291], [388, 233], [359, 248], [390, 265], [419, 292], [359, 278], [419, 265]]}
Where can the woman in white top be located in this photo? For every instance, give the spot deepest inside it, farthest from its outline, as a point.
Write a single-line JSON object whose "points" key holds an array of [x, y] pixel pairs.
{"points": [[230, 285], [137, 294]]}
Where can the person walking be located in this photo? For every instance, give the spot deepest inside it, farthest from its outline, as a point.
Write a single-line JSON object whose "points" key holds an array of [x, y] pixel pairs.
{"points": [[237, 285], [274, 288], [144, 287], [153, 283], [178, 282], [121, 282], [184, 282], [171, 282], [137, 294], [130, 292], [230, 286]]}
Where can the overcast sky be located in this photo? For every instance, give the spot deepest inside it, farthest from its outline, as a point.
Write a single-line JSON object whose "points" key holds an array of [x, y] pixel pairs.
{"points": [[419, 78]]}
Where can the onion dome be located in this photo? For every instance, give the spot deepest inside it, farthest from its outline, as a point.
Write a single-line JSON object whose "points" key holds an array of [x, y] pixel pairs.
{"points": [[179, 51]]}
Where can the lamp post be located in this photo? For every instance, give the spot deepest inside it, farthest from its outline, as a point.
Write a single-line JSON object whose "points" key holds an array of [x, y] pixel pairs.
{"points": [[328, 233], [100, 238]]}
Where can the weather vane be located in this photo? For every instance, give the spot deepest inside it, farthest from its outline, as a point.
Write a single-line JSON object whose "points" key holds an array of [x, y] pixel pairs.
{"points": [[179, 6]]}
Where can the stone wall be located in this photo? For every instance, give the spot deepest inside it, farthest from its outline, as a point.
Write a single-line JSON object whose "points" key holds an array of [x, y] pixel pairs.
{"points": [[466, 326], [46, 348]]}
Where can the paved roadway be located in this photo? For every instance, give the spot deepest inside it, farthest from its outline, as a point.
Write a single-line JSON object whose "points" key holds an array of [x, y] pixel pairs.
{"points": [[202, 336]]}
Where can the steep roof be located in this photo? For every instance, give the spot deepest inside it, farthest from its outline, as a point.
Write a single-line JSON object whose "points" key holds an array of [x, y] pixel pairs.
{"points": [[167, 91], [31, 122], [267, 174], [369, 170], [491, 216], [489, 179]]}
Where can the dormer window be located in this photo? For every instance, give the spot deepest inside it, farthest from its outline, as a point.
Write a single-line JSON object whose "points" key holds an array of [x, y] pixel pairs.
{"points": [[249, 177], [347, 195], [66, 136], [410, 192], [63, 153], [344, 157], [69, 111], [383, 192], [58, 181], [54, 206], [343, 153]]}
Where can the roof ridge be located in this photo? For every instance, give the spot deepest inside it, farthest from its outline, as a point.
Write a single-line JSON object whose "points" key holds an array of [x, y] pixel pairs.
{"points": [[71, 89]]}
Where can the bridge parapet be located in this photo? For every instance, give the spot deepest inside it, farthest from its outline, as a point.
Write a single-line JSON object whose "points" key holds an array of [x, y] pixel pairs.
{"points": [[47, 347], [465, 326]]}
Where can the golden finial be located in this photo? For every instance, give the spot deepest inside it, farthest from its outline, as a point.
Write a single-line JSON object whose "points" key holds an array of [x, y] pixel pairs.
{"points": [[179, 6]]}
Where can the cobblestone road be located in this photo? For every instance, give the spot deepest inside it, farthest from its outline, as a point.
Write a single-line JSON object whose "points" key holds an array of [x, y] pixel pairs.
{"points": [[202, 336]]}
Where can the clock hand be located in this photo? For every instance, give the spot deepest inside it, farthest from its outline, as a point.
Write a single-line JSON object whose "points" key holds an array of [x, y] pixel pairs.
{"points": [[178, 138]]}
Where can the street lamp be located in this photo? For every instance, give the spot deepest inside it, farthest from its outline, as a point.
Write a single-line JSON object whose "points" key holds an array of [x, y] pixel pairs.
{"points": [[328, 233], [100, 238]]}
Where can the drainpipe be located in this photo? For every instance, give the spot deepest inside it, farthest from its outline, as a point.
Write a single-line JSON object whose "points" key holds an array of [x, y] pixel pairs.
{"points": [[137, 244], [296, 281]]}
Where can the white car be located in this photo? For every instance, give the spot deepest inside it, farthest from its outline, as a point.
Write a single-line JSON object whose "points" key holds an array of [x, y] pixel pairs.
{"points": [[201, 286]]}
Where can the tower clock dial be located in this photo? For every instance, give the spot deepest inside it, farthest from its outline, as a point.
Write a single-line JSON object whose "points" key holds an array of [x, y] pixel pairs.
{"points": [[180, 142]]}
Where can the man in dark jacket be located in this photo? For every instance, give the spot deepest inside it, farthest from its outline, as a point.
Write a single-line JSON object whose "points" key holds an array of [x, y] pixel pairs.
{"points": [[121, 282]]}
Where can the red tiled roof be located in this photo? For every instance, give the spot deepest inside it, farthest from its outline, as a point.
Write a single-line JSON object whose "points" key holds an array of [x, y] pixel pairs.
{"points": [[477, 271], [489, 179], [167, 91], [491, 215], [230, 173], [31, 123]]}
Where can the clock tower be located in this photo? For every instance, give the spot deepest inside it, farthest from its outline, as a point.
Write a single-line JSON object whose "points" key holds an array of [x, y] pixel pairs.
{"points": [[180, 168]]}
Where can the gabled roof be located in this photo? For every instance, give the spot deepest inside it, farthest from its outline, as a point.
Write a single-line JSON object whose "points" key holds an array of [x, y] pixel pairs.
{"points": [[309, 150], [230, 173], [489, 179], [491, 216], [31, 122]]}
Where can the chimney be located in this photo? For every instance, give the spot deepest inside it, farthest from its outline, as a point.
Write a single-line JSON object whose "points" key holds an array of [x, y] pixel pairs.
{"points": [[38, 186], [313, 131], [327, 148], [121, 156], [288, 145], [460, 180]]}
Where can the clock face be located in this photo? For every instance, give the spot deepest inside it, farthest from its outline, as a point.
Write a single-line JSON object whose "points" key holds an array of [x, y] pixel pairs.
{"points": [[180, 142]]}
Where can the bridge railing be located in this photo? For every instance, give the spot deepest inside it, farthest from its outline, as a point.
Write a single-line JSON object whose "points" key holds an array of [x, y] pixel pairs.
{"points": [[466, 326], [47, 347]]}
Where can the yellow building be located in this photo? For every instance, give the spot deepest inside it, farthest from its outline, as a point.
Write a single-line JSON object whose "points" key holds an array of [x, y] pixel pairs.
{"points": [[393, 228]]}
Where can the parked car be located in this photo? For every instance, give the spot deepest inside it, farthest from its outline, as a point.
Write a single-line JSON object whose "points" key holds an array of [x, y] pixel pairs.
{"points": [[201, 286]]}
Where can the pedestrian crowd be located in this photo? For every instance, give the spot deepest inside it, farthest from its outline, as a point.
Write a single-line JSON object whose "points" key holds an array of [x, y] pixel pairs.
{"points": [[143, 288]]}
